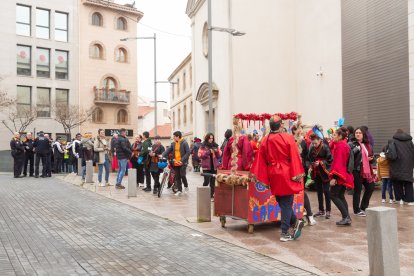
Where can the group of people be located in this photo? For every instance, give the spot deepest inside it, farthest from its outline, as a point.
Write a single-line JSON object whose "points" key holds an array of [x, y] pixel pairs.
{"points": [[56, 156], [281, 160]]}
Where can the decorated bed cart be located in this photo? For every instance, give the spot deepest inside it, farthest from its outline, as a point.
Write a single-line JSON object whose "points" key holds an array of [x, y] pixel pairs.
{"points": [[237, 194]]}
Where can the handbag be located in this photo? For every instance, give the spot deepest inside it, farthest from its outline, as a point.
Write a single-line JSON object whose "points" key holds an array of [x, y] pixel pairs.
{"points": [[96, 157], [140, 159]]}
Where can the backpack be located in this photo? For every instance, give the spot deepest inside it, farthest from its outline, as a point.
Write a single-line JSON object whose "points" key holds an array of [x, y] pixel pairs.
{"points": [[391, 153]]}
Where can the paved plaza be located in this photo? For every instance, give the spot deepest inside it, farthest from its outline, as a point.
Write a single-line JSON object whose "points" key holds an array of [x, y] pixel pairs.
{"points": [[323, 248], [51, 227]]}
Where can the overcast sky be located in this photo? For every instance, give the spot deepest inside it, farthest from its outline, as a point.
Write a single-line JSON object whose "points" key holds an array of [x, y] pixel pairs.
{"points": [[165, 18]]}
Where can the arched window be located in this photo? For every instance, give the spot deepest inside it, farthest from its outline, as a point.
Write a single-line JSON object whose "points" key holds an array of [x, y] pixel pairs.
{"points": [[122, 117], [178, 87], [191, 111], [185, 114], [121, 55], [97, 116], [96, 51], [173, 120], [184, 79], [97, 19], [179, 117], [121, 23], [109, 83]]}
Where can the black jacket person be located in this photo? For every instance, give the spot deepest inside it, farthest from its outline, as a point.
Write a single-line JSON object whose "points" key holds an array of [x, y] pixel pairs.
{"points": [[17, 152]]}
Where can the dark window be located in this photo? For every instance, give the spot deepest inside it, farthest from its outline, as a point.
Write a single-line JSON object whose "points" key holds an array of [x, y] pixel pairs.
{"points": [[43, 102], [24, 60], [97, 19], [62, 97], [121, 24], [96, 51], [43, 62], [121, 55], [97, 116], [122, 117], [61, 65], [24, 98]]}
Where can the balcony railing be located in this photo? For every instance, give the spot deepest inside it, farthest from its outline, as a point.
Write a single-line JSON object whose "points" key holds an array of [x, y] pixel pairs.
{"points": [[112, 96]]}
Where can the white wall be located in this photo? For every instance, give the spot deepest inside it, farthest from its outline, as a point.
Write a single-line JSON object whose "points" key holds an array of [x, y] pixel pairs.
{"points": [[273, 67], [8, 42]]}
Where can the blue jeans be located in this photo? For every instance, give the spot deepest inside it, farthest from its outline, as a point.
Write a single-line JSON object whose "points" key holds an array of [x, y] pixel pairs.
{"points": [[83, 172], [122, 164], [287, 213], [100, 169], [387, 186]]}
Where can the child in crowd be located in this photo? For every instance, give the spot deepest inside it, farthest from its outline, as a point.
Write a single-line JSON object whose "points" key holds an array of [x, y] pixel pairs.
{"points": [[383, 173]]}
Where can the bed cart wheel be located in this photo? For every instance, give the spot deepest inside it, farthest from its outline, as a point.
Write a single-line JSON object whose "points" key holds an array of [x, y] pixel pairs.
{"points": [[250, 228], [223, 221]]}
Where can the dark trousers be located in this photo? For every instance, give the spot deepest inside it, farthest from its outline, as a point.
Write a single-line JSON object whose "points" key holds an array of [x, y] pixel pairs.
{"points": [[58, 164], [307, 205], [323, 189], [209, 180], [49, 163], [387, 186], [147, 176], [156, 176], [140, 170], [338, 198], [18, 164], [357, 203], [403, 190], [29, 157], [43, 157], [180, 177], [75, 164], [288, 216]]}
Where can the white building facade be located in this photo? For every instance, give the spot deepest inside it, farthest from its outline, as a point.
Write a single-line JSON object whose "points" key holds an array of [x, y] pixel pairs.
{"points": [[275, 67], [39, 61], [182, 102]]}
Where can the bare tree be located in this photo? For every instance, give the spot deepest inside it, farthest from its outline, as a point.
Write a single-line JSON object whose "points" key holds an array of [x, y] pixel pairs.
{"points": [[71, 116], [19, 118], [5, 101]]}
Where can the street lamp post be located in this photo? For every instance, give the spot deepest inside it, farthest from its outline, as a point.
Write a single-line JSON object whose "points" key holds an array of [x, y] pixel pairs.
{"points": [[233, 32], [155, 75]]}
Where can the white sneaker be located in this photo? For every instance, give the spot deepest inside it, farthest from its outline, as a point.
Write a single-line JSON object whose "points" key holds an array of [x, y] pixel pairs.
{"points": [[410, 203], [178, 193], [383, 201], [391, 201], [401, 202], [312, 220], [141, 185], [186, 190]]}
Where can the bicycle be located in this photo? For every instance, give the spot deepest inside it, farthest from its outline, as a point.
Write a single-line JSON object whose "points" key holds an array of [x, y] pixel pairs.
{"points": [[168, 176]]}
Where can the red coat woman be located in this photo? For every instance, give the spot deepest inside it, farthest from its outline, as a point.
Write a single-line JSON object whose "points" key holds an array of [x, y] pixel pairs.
{"points": [[340, 177]]}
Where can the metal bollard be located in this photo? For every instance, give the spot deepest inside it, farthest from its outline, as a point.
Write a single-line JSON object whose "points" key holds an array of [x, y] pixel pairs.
{"points": [[203, 204], [89, 172], [382, 235], [79, 166], [132, 183]]}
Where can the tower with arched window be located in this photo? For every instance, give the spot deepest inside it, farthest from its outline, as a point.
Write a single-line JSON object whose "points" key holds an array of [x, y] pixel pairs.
{"points": [[108, 66]]}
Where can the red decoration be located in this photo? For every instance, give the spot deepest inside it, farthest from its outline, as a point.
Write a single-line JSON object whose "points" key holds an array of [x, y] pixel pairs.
{"points": [[42, 58], [261, 118], [61, 59], [23, 54]]}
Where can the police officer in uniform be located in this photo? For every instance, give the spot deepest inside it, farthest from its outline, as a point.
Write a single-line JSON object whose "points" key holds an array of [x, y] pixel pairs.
{"points": [[29, 155], [17, 151], [42, 147]]}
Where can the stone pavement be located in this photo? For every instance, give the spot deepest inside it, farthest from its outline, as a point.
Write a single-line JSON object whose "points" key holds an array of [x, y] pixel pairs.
{"points": [[323, 248], [50, 227]]}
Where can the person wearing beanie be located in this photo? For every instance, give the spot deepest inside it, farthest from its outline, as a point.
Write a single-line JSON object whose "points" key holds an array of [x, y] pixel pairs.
{"points": [[279, 166]]}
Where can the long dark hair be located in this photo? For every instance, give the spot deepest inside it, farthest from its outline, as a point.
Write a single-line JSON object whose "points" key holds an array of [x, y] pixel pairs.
{"points": [[364, 135], [207, 137], [207, 144]]}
